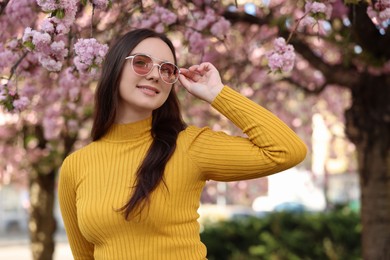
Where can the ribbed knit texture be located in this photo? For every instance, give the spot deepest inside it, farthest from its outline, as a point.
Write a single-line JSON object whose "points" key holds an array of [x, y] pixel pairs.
{"points": [[96, 180]]}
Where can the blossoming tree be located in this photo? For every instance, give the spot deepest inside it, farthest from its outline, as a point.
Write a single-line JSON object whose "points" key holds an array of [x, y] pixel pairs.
{"points": [[51, 51]]}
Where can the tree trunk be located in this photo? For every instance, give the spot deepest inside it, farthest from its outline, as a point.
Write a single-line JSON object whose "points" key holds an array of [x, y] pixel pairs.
{"points": [[375, 200], [368, 127], [42, 224]]}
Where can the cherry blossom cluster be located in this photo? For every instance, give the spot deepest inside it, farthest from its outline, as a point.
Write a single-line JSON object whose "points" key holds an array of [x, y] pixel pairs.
{"points": [[8, 56], [160, 18], [101, 4], [51, 54], [380, 13], [282, 57], [316, 13], [202, 21], [62, 16], [11, 100], [47, 43], [19, 11], [89, 55]]}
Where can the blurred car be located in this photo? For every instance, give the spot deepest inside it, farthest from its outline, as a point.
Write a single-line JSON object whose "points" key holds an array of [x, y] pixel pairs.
{"points": [[291, 206]]}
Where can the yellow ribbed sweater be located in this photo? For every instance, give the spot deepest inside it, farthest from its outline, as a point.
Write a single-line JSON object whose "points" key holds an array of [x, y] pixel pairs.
{"points": [[95, 181]]}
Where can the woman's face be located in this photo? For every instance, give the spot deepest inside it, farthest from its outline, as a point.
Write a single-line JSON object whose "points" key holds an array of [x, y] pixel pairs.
{"points": [[140, 95]]}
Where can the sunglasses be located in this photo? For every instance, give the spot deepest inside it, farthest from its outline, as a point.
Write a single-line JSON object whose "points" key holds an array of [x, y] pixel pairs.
{"points": [[143, 64]]}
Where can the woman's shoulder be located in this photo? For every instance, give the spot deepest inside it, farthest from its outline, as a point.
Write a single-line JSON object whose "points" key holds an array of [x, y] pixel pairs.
{"points": [[80, 152], [192, 132]]}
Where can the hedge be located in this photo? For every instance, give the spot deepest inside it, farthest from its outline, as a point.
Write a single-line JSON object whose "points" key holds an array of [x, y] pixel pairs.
{"points": [[285, 236]]}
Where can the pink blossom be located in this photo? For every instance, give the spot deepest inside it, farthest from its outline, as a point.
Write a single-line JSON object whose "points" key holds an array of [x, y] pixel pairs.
{"points": [[67, 79], [12, 44], [70, 84], [63, 28], [166, 17], [73, 125], [58, 49], [315, 12], [220, 28], [157, 21], [385, 14], [20, 104], [27, 35], [198, 2], [315, 7], [3, 93], [201, 24], [379, 13], [201, 20], [41, 41], [74, 93], [19, 11], [307, 21], [50, 54], [282, 58], [210, 15], [196, 41], [339, 9], [48, 5], [59, 23], [159, 28], [28, 91], [50, 63], [7, 58], [100, 4], [47, 25], [89, 53]]}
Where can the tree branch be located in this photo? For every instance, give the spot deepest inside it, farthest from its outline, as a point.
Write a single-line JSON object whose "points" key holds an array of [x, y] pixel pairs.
{"points": [[15, 66], [3, 5], [308, 91], [335, 74]]}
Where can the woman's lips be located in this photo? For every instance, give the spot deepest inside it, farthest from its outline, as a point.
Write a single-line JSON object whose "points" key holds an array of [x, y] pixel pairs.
{"points": [[149, 90]]}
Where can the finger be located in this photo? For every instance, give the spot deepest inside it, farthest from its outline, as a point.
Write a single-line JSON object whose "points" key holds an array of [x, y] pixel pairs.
{"points": [[203, 68], [193, 67], [192, 75], [184, 82]]}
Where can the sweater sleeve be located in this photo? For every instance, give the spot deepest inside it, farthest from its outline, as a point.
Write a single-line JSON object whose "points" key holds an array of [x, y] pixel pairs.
{"points": [[270, 146], [81, 248]]}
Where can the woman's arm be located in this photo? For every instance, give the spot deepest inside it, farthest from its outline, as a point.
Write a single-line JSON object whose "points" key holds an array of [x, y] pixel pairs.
{"points": [[81, 248], [271, 146]]}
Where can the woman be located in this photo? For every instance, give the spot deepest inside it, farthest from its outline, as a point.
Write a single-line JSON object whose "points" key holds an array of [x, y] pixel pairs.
{"points": [[133, 193]]}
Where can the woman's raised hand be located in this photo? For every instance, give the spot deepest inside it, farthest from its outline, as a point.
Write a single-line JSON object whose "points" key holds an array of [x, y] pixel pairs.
{"points": [[202, 81]]}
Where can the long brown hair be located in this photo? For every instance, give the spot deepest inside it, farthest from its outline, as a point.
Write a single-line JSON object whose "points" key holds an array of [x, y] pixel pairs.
{"points": [[166, 120]]}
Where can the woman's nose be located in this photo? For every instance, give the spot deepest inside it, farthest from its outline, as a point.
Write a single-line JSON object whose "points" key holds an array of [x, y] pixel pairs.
{"points": [[154, 72]]}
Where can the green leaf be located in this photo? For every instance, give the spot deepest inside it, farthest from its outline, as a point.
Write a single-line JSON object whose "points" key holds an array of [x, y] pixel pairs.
{"points": [[59, 13], [29, 45], [354, 2]]}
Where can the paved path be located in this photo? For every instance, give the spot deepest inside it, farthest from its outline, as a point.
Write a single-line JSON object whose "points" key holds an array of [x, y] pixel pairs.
{"points": [[17, 247], [22, 252]]}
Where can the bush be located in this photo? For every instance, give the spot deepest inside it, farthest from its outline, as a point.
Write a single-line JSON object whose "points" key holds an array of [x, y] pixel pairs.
{"points": [[285, 236]]}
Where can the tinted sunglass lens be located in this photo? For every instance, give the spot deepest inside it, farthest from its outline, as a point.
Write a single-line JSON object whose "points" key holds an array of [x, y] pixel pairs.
{"points": [[169, 72], [142, 64]]}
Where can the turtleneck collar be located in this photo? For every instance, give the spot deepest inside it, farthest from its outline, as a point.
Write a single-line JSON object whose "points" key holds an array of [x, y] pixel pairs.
{"points": [[129, 132]]}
